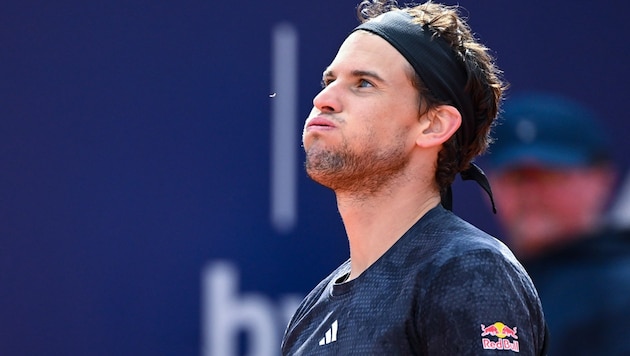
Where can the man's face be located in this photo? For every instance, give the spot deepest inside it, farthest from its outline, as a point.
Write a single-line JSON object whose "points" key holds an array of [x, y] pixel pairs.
{"points": [[542, 207], [358, 134]]}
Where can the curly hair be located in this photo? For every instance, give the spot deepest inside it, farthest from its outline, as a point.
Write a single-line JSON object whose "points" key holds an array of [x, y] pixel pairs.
{"points": [[484, 83]]}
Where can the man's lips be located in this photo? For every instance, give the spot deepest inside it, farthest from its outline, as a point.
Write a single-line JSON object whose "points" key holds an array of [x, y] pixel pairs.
{"points": [[320, 122]]}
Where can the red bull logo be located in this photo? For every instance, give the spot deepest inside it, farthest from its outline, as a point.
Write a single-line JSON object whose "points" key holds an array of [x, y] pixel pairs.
{"points": [[501, 332]]}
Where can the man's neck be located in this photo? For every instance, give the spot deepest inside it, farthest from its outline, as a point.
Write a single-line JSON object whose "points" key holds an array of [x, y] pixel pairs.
{"points": [[374, 223]]}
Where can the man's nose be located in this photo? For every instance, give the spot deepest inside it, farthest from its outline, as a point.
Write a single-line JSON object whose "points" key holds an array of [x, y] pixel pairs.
{"points": [[328, 99]]}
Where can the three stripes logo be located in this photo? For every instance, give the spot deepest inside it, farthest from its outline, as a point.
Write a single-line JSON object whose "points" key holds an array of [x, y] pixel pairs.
{"points": [[331, 335]]}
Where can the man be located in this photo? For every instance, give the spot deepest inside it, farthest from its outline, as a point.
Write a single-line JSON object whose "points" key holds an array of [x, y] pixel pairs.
{"points": [[553, 176], [407, 103]]}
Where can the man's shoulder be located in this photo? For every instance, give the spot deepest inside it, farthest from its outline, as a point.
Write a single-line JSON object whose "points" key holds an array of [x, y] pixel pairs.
{"points": [[451, 236], [439, 221], [442, 245]]}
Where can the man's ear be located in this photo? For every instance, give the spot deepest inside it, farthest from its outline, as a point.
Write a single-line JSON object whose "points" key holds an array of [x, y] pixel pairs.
{"points": [[439, 124]]}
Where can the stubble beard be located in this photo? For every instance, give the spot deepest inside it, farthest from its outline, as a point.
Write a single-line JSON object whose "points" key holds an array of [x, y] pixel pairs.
{"points": [[360, 173]]}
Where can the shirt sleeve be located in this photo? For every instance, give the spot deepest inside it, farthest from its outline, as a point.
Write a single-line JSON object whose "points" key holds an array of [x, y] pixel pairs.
{"points": [[480, 303]]}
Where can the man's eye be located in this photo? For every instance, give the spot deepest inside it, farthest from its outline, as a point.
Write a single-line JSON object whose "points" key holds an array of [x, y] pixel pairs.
{"points": [[326, 82], [365, 84]]}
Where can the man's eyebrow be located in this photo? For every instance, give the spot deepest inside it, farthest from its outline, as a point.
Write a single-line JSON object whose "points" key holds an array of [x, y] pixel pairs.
{"points": [[355, 73], [367, 73]]}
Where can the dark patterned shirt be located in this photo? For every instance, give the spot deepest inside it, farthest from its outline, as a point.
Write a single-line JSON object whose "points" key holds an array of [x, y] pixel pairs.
{"points": [[444, 288]]}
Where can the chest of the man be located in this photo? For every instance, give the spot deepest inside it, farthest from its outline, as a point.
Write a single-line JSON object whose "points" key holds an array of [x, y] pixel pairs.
{"points": [[356, 326]]}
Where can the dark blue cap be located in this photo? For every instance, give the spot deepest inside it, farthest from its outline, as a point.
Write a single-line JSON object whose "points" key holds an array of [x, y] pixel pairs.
{"points": [[549, 131]]}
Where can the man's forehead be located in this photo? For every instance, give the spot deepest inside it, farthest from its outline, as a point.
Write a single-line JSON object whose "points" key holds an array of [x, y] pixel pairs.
{"points": [[365, 51]]}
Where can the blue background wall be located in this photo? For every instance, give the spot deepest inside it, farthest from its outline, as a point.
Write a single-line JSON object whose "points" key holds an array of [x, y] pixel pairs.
{"points": [[135, 160]]}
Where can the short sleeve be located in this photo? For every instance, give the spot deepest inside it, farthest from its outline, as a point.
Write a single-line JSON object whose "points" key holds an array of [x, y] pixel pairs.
{"points": [[481, 303]]}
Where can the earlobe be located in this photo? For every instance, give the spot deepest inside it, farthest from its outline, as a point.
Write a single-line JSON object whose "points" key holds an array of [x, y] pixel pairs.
{"points": [[441, 123]]}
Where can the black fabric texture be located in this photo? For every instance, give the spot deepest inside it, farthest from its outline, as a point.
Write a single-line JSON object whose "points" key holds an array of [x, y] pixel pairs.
{"points": [[437, 291]]}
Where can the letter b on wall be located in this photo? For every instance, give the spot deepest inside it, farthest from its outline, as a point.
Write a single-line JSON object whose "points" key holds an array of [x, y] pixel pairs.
{"points": [[226, 314]]}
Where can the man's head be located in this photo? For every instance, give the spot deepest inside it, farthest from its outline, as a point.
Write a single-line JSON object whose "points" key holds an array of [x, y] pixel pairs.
{"points": [[551, 171], [449, 73], [359, 133]]}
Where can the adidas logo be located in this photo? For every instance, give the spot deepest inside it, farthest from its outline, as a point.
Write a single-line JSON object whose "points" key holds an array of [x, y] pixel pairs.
{"points": [[331, 335]]}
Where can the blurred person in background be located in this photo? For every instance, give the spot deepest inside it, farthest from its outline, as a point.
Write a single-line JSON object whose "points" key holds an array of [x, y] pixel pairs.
{"points": [[553, 177]]}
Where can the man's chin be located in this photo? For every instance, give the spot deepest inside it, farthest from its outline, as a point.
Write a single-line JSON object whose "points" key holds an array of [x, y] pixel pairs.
{"points": [[321, 177]]}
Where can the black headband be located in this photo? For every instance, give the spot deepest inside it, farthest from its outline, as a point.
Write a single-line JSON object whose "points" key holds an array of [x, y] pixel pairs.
{"points": [[441, 72], [432, 58]]}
